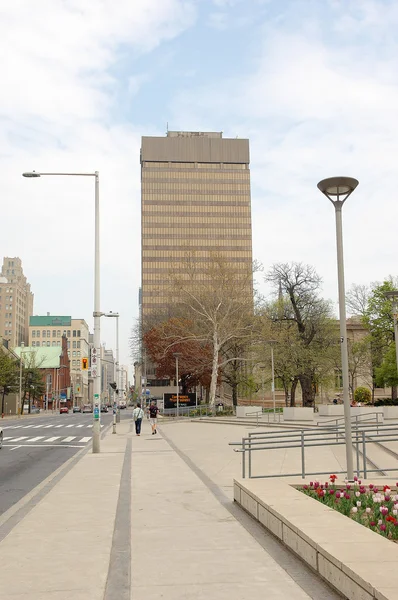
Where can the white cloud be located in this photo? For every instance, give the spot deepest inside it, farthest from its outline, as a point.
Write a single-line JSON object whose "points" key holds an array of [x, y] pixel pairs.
{"points": [[57, 111], [314, 107]]}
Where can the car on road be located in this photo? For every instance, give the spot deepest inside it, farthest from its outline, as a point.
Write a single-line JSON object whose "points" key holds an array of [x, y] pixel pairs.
{"points": [[104, 408], [63, 409], [77, 409], [87, 408], [122, 404], [1, 438]]}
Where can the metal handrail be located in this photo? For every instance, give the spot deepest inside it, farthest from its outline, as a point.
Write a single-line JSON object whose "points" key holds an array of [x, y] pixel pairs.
{"points": [[355, 418], [327, 436]]}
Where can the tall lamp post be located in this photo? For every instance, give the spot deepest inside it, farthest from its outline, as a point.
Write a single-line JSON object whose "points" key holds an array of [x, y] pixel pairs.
{"points": [[96, 314], [393, 296], [337, 190], [176, 356]]}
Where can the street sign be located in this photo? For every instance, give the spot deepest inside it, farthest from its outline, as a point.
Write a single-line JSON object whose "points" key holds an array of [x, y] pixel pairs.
{"points": [[93, 351], [93, 360], [96, 396], [96, 413], [94, 372]]}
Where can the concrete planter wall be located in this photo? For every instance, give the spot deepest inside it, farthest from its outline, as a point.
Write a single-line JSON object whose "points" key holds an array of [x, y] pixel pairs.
{"points": [[298, 413], [244, 411], [331, 410], [357, 562], [390, 412]]}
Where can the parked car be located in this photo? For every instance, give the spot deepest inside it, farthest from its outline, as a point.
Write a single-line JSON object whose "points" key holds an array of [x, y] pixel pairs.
{"points": [[77, 409], [87, 408], [104, 408], [63, 409], [122, 404], [1, 438], [34, 410]]}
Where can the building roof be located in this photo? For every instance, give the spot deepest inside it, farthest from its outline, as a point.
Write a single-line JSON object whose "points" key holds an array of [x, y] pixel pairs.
{"points": [[50, 321], [44, 358]]}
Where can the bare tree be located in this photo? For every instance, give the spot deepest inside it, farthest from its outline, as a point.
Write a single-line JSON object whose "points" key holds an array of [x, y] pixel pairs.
{"points": [[313, 350]]}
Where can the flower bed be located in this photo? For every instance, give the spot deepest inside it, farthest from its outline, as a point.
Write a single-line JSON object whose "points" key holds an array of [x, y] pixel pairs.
{"points": [[373, 507]]}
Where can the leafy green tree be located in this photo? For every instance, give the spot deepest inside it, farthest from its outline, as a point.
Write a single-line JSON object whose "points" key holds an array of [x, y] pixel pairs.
{"points": [[8, 375], [387, 373]]}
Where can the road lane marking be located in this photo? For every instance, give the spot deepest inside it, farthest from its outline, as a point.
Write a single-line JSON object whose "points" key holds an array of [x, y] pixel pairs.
{"points": [[84, 440], [79, 425], [15, 448], [52, 439], [69, 439], [35, 439], [11, 447], [36, 426], [70, 425], [47, 426], [27, 426], [58, 426], [18, 439]]}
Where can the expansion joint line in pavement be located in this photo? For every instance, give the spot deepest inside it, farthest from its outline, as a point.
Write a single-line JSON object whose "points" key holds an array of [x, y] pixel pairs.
{"points": [[119, 573], [301, 574]]}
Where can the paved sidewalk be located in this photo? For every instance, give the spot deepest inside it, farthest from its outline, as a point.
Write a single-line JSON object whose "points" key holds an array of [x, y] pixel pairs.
{"points": [[150, 518], [186, 544], [60, 550]]}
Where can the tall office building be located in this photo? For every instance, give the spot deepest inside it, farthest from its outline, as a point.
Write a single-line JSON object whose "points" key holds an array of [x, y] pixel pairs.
{"points": [[195, 200], [16, 302]]}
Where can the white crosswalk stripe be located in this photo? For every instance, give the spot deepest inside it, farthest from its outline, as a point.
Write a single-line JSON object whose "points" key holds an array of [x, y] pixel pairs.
{"points": [[58, 426], [79, 425], [73, 425], [27, 426], [47, 426], [40, 438], [36, 426]]}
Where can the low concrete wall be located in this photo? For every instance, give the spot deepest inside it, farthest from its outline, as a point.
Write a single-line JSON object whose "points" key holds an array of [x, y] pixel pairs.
{"points": [[331, 410], [357, 562], [298, 413], [390, 412], [244, 411]]}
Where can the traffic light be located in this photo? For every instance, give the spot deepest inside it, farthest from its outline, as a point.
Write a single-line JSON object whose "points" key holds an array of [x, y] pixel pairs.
{"points": [[84, 364]]}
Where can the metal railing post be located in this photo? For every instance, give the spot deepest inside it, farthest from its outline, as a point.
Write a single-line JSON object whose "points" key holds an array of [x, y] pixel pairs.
{"points": [[243, 458], [365, 475], [250, 457], [302, 455], [357, 445]]}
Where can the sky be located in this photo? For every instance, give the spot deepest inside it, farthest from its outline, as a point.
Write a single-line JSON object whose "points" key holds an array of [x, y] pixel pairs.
{"points": [[313, 84]]}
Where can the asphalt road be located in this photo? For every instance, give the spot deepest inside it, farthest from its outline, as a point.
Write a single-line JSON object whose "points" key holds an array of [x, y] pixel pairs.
{"points": [[34, 447]]}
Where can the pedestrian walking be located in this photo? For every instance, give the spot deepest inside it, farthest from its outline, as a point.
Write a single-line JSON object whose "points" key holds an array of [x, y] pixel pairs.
{"points": [[153, 414], [138, 415]]}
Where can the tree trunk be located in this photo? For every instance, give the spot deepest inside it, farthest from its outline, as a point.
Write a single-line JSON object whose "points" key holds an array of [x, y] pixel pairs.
{"points": [[214, 373], [394, 392], [235, 394], [293, 392], [307, 389], [2, 401]]}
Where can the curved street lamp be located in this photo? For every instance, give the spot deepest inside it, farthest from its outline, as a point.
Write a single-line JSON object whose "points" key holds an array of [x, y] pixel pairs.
{"points": [[337, 190]]}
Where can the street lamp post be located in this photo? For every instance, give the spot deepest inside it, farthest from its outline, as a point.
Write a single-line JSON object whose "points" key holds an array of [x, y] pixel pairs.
{"points": [[176, 356], [96, 372], [337, 190], [393, 296]]}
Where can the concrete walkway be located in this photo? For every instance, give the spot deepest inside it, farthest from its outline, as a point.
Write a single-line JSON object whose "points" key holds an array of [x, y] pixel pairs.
{"points": [[149, 518]]}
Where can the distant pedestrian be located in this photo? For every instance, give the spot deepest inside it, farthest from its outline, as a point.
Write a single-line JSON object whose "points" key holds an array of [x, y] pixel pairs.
{"points": [[153, 414], [138, 415]]}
